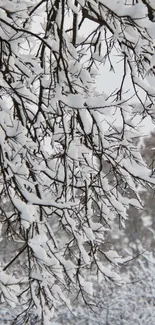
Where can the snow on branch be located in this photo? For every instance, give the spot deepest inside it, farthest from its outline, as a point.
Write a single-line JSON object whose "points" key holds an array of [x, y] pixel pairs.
{"points": [[68, 170]]}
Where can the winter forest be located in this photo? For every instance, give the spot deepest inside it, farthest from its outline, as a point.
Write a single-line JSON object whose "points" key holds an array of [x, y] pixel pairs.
{"points": [[77, 162]]}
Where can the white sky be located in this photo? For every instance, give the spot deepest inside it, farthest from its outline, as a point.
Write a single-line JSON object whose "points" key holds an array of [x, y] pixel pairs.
{"points": [[109, 80]]}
